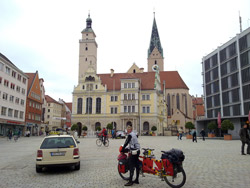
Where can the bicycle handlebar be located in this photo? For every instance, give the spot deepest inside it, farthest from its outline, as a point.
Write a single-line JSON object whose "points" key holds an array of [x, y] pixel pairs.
{"points": [[148, 149]]}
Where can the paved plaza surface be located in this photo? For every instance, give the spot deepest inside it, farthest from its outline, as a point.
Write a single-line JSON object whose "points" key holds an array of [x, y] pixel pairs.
{"points": [[208, 164]]}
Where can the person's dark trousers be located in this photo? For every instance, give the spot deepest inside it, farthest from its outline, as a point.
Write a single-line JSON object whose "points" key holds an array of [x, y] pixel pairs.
{"points": [[203, 138], [243, 146], [133, 163], [180, 136], [194, 139]]}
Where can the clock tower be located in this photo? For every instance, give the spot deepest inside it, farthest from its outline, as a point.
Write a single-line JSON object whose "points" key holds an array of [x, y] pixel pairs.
{"points": [[87, 49], [155, 51]]}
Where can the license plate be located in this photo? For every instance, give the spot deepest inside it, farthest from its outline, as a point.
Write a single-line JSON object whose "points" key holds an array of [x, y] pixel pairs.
{"points": [[57, 153]]}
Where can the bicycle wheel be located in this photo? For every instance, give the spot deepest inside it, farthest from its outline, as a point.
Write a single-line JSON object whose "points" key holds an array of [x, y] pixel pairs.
{"points": [[124, 176], [98, 142], [106, 144], [178, 180]]}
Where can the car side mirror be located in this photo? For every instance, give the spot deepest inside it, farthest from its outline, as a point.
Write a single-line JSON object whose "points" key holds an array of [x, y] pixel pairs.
{"points": [[78, 142]]}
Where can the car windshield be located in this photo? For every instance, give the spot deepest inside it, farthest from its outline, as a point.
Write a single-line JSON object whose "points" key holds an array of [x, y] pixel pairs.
{"points": [[58, 142]]}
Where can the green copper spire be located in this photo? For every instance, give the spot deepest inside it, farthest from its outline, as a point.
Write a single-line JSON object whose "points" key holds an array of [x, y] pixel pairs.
{"points": [[155, 40]]}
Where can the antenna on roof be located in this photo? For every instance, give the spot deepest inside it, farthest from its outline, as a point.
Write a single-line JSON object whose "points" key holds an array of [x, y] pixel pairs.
{"points": [[240, 22], [154, 12]]}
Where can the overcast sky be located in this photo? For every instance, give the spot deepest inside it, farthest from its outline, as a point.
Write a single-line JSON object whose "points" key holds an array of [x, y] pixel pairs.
{"points": [[44, 35]]}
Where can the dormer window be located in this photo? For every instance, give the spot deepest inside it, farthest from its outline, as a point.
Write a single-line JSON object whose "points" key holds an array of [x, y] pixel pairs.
{"points": [[134, 71]]}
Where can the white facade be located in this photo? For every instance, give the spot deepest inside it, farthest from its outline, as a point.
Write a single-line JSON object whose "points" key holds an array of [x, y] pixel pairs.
{"points": [[13, 92]]}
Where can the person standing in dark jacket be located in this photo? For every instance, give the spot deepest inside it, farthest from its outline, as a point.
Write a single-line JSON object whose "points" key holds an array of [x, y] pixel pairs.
{"points": [[194, 136], [134, 148], [245, 139], [203, 134]]}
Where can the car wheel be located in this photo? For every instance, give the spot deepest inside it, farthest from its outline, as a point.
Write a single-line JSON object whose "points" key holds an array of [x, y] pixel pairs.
{"points": [[39, 169], [77, 167]]}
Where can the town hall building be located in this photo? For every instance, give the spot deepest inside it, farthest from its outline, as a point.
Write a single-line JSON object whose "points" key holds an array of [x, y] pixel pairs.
{"points": [[137, 98]]}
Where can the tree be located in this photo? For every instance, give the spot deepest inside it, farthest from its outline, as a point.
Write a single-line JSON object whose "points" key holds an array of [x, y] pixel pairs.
{"points": [[211, 126], [98, 128], [189, 125], [84, 128], [74, 127], [154, 128], [227, 125], [110, 126]]}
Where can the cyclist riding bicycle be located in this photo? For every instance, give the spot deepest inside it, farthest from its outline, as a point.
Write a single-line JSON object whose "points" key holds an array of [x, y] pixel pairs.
{"points": [[104, 135]]}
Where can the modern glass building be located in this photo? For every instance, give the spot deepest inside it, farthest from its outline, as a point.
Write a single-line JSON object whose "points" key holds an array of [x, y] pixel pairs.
{"points": [[226, 82]]}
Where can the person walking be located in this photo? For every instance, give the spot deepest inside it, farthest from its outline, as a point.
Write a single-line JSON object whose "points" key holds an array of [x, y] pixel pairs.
{"points": [[75, 135], [245, 139], [194, 136], [180, 133], [10, 134], [134, 148], [15, 135], [203, 134]]}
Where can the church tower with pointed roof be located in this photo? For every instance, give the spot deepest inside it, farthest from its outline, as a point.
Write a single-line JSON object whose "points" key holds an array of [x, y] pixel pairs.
{"points": [[155, 51], [87, 49]]}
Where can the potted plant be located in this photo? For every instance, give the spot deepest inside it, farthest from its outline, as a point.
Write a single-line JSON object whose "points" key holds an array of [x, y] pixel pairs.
{"points": [[225, 126], [189, 125], [153, 129], [211, 126], [84, 128], [74, 127], [109, 128]]}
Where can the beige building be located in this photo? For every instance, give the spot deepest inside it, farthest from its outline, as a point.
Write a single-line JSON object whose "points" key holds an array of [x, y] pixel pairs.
{"points": [[53, 115], [141, 99]]}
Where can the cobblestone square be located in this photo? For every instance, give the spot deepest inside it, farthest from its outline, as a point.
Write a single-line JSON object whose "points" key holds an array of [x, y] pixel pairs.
{"points": [[208, 164]]}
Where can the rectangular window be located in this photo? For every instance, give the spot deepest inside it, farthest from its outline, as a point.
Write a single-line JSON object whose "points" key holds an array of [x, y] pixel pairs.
{"points": [[6, 83], [111, 110], [233, 65], [22, 102], [133, 96], [208, 89], [148, 109], [245, 74], [17, 100], [125, 85], [112, 98], [115, 110], [207, 64], [226, 111], [0, 80], [1, 66], [23, 92], [225, 97], [116, 98], [129, 96], [10, 112], [5, 96], [129, 109], [3, 111], [133, 85], [16, 113], [207, 76], [129, 85], [244, 59], [18, 89], [232, 50], [21, 115], [12, 86], [13, 74], [11, 98], [236, 109], [243, 43], [246, 92], [7, 70], [223, 69], [125, 109], [224, 83], [133, 109], [148, 97], [235, 95], [19, 77], [143, 97], [24, 80], [125, 97], [143, 109]]}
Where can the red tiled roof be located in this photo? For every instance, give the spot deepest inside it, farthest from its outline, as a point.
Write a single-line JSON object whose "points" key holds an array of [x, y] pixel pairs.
{"points": [[172, 80], [200, 110], [50, 99], [30, 80], [198, 100], [69, 105]]}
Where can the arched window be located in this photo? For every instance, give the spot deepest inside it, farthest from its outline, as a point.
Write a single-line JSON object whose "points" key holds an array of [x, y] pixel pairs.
{"points": [[98, 105], [134, 71], [178, 101], [83, 87], [79, 105], [146, 126], [89, 105], [97, 124], [186, 104], [86, 48], [169, 105]]}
